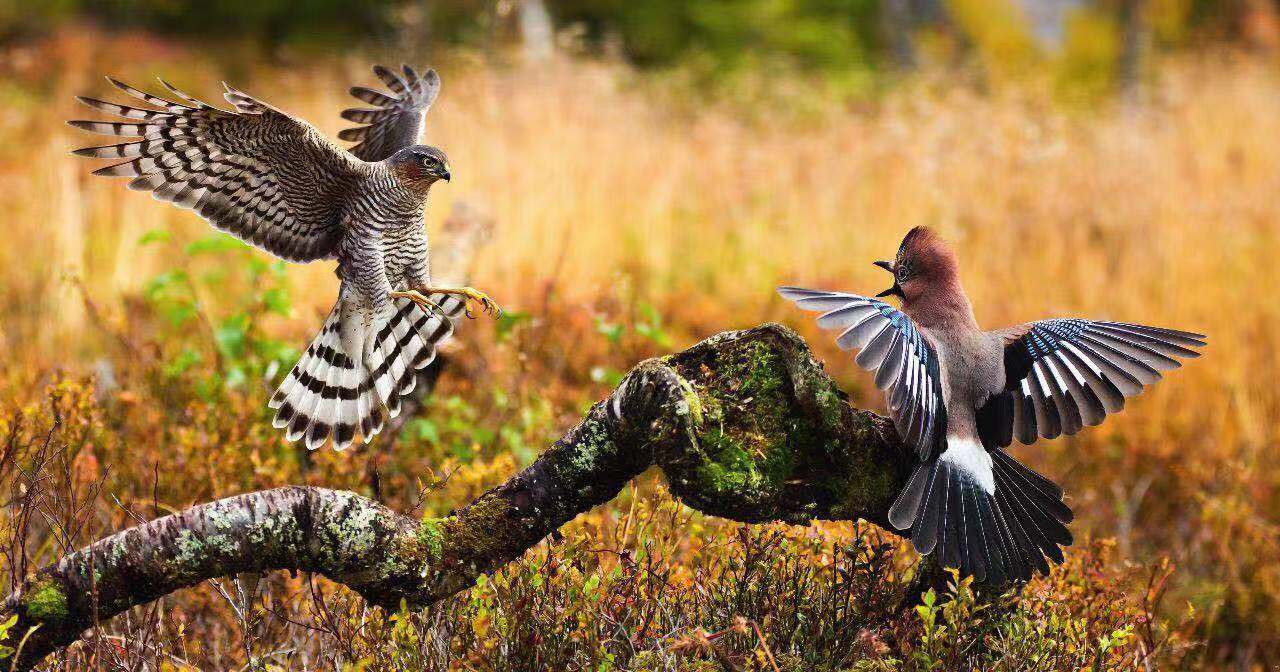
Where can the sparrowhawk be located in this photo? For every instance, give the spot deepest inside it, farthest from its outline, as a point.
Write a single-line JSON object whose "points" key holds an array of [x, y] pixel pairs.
{"points": [[274, 181]]}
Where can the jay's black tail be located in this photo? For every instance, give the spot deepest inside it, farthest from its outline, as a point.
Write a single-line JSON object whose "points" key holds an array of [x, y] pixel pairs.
{"points": [[985, 514]]}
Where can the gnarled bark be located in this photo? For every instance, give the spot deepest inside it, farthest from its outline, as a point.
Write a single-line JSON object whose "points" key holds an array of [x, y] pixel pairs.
{"points": [[745, 425]]}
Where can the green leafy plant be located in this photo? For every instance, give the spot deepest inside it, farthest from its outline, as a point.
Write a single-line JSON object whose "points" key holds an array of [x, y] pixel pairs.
{"points": [[229, 336]]}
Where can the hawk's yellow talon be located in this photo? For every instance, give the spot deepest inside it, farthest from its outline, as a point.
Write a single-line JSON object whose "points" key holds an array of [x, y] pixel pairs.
{"points": [[469, 295]]}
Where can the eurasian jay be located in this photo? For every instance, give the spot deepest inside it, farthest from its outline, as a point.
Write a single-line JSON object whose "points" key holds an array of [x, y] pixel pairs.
{"points": [[959, 395]]}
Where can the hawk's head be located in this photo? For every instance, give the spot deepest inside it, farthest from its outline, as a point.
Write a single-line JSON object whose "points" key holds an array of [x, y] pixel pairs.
{"points": [[420, 165]]}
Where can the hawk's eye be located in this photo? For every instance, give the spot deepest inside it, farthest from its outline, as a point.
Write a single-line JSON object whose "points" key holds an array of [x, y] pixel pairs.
{"points": [[428, 160]]}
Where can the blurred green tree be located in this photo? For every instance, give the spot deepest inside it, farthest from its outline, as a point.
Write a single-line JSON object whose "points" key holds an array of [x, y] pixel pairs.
{"points": [[272, 21], [816, 35]]}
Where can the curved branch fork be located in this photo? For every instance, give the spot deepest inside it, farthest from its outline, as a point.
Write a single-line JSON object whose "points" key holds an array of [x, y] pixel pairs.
{"points": [[745, 425]]}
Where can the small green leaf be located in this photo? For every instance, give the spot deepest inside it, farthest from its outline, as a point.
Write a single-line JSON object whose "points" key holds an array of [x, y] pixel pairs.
{"points": [[612, 332], [606, 375], [508, 321], [215, 243], [277, 301], [235, 377], [155, 236], [423, 429], [184, 361], [157, 285], [232, 335], [177, 313]]}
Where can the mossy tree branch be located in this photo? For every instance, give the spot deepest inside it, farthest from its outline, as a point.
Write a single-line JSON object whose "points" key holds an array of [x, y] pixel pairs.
{"points": [[745, 425]]}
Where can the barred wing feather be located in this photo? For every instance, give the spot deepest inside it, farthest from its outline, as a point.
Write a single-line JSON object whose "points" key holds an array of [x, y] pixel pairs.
{"points": [[395, 119], [257, 173]]}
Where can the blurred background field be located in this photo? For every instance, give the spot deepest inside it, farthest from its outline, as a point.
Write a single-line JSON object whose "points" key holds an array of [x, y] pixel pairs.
{"points": [[652, 171]]}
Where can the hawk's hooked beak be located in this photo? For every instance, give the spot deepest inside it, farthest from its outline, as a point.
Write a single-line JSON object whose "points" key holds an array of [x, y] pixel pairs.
{"points": [[445, 174], [895, 290]]}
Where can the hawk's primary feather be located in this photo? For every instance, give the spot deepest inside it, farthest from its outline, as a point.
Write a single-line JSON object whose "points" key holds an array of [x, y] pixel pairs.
{"points": [[395, 121]]}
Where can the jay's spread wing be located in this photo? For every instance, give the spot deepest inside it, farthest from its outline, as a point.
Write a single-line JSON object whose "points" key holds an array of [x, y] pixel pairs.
{"points": [[1065, 374], [906, 365], [395, 121]]}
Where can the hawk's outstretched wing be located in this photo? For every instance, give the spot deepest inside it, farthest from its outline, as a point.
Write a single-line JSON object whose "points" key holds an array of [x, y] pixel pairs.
{"points": [[1062, 375], [257, 173], [396, 118], [906, 365]]}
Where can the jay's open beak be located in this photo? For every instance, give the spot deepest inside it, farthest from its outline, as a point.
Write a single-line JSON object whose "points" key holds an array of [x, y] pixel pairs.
{"points": [[895, 290]]}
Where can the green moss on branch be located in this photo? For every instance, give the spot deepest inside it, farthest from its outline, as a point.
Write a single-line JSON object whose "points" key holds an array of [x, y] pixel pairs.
{"points": [[775, 438], [46, 602]]}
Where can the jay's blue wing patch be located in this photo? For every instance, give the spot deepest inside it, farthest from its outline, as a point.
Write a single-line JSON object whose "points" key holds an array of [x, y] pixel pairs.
{"points": [[905, 363], [1065, 374]]}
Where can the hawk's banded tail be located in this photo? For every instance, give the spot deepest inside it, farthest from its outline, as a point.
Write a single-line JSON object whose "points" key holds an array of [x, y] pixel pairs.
{"points": [[351, 378]]}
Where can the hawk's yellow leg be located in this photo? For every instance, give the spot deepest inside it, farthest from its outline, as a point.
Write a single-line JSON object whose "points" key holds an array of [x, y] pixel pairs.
{"points": [[469, 294], [420, 299]]}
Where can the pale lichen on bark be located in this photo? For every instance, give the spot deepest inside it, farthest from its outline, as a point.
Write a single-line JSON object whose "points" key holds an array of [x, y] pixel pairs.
{"points": [[745, 425]]}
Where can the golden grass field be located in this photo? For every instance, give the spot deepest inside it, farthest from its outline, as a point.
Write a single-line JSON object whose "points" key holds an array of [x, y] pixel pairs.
{"points": [[616, 196]]}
